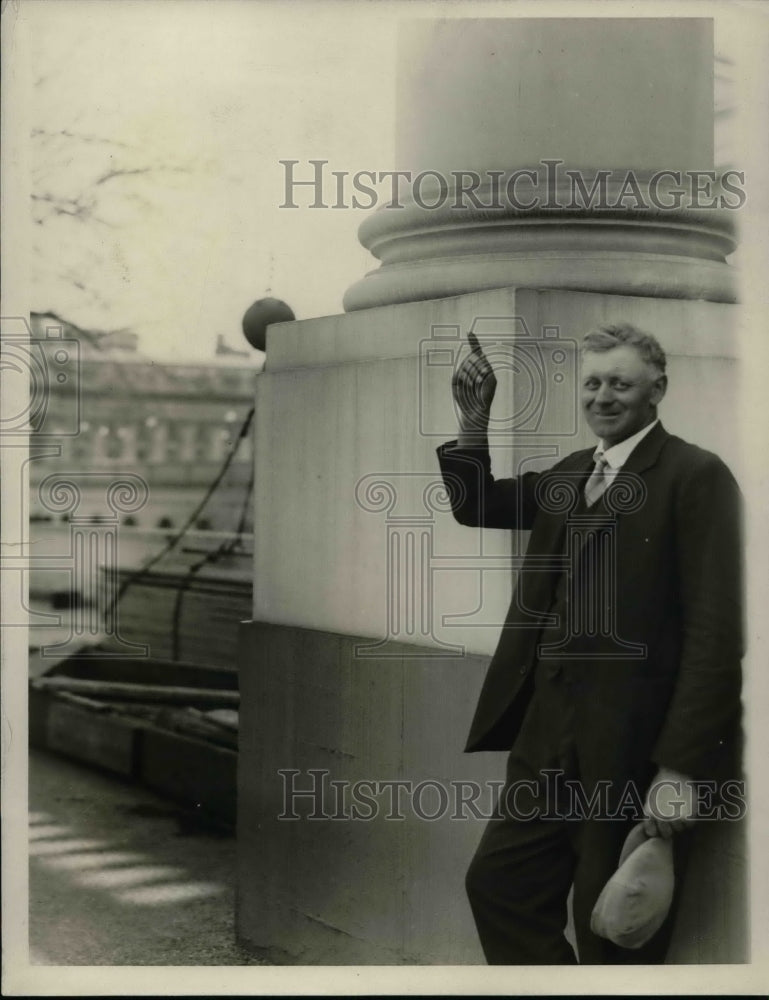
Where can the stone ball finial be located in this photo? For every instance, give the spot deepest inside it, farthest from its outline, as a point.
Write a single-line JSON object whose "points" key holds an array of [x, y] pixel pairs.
{"points": [[262, 314]]}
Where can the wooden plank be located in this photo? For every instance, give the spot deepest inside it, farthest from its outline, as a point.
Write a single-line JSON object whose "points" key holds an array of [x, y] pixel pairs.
{"points": [[208, 620], [146, 671], [139, 692]]}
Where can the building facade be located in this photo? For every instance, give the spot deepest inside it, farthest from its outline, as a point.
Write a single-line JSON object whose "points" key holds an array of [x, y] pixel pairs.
{"points": [[98, 405]]}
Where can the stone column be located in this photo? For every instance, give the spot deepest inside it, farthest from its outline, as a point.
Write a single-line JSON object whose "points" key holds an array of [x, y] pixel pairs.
{"points": [[520, 134], [159, 443], [188, 442]]}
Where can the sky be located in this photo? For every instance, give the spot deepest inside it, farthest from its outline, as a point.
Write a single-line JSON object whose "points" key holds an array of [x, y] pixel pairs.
{"points": [[204, 98], [210, 96]]}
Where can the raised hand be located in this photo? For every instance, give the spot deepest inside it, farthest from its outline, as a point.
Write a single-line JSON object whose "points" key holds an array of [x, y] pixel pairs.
{"points": [[473, 386]]}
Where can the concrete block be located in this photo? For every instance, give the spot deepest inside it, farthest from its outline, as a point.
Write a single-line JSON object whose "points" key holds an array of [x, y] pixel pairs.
{"points": [[340, 890]]}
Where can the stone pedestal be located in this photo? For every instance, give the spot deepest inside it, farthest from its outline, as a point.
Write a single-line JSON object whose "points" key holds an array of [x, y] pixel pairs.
{"points": [[375, 612]]}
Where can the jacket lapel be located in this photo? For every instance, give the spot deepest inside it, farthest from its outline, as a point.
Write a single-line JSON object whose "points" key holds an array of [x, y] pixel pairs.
{"points": [[561, 498], [647, 451], [627, 494]]}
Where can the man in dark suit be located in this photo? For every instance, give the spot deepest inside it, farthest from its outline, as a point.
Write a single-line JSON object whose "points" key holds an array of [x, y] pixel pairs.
{"points": [[616, 679]]}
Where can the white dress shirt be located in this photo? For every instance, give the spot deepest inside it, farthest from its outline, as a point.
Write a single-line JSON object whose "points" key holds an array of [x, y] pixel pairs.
{"points": [[618, 454]]}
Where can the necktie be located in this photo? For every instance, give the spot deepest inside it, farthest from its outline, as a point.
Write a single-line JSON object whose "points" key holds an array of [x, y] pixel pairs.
{"points": [[597, 482]]}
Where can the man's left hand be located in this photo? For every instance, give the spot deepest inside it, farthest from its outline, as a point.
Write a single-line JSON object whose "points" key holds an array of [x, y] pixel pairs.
{"points": [[671, 803]]}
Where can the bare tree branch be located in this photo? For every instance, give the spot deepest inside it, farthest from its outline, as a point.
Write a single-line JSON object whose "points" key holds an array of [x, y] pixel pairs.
{"points": [[73, 173], [125, 172], [79, 136]]}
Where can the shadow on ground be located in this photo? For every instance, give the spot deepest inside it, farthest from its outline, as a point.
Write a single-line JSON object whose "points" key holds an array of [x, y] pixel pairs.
{"points": [[118, 876]]}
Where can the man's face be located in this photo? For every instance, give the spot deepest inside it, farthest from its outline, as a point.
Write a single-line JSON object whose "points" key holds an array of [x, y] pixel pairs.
{"points": [[620, 392]]}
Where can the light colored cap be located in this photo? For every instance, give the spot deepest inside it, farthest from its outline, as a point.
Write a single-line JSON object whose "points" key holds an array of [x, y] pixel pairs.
{"points": [[635, 901]]}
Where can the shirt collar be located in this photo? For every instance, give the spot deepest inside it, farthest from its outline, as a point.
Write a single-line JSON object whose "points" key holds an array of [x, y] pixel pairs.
{"points": [[618, 454]]}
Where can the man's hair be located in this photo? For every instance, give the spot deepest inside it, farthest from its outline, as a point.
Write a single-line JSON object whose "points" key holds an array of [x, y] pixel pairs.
{"points": [[604, 338]]}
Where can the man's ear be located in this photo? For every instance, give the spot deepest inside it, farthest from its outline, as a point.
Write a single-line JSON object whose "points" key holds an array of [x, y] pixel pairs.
{"points": [[659, 389]]}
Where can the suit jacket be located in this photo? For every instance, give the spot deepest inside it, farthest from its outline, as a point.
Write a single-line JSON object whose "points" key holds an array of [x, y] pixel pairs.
{"points": [[664, 687]]}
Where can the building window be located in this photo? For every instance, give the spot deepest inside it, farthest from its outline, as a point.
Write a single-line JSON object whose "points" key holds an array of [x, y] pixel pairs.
{"points": [[219, 444]]}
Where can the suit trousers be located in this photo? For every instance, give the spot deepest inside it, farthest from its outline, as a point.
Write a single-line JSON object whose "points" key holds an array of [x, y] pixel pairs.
{"points": [[539, 848]]}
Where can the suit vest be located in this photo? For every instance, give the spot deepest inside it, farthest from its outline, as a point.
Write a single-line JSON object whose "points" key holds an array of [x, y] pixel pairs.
{"points": [[580, 595]]}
